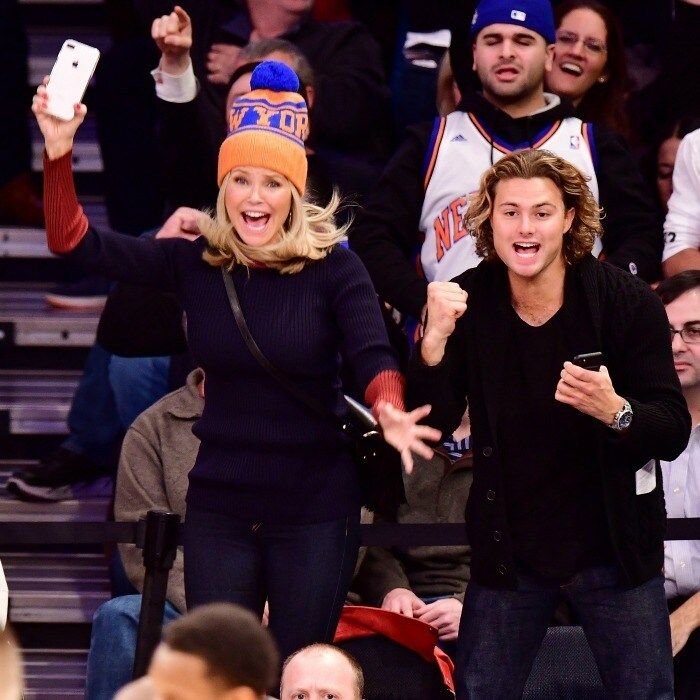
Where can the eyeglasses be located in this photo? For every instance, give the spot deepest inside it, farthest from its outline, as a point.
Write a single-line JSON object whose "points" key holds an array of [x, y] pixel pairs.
{"points": [[688, 334], [570, 39]]}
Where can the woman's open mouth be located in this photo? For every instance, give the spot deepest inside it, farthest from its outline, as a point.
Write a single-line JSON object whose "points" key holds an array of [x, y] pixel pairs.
{"points": [[571, 68], [255, 220]]}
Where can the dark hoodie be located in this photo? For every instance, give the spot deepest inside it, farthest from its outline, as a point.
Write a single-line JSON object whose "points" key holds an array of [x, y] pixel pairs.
{"points": [[386, 235]]}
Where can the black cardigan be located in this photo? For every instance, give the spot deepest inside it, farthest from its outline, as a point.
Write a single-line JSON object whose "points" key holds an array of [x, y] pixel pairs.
{"points": [[632, 329]]}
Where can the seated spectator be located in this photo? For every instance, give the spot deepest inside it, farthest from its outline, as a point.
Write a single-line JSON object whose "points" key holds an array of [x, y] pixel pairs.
{"points": [[321, 671], [682, 227], [216, 652], [681, 479], [425, 583], [589, 66], [158, 452], [10, 667]]}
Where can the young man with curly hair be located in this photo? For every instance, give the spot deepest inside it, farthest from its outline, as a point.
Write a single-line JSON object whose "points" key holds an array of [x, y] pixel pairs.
{"points": [[566, 500]]}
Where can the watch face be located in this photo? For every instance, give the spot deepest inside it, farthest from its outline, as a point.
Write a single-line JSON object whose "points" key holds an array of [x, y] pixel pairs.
{"points": [[625, 420]]}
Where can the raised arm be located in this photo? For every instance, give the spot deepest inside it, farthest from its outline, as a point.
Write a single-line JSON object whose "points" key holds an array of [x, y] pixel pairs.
{"points": [[118, 257], [189, 165], [437, 372]]}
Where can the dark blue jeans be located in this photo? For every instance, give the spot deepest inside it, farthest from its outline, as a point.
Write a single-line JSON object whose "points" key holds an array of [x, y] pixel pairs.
{"points": [[113, 645], [628, 632], [303, 571]]}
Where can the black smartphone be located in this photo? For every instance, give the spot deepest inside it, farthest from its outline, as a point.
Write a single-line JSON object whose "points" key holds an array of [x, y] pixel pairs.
{"points": [[589, 360]]}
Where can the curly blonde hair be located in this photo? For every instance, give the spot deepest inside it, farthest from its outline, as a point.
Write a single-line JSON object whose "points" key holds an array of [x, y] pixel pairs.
{"points": [[528, 164], [309, 233]]}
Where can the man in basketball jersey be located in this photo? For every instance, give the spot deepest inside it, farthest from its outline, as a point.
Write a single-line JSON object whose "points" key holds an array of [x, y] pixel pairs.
{"points": [[411, 232]]}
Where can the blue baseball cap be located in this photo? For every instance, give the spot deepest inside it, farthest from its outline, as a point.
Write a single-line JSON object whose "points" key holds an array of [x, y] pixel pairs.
{"points": [[536, 15]]}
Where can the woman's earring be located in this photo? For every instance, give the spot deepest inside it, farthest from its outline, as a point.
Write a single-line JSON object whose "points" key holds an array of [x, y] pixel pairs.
{"points": [[288, 222], [603, 79]]}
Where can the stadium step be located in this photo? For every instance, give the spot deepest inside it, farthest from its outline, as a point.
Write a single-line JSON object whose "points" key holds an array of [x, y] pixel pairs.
{"points": [[36, 402], [24, 255], [54, 673], [27, 320]]}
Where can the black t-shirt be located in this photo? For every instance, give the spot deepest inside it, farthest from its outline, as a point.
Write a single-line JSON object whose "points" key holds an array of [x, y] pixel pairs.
{"points": [[554, 495]]}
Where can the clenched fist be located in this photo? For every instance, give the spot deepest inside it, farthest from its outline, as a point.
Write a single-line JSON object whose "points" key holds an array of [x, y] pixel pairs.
{"points": [[447, 302]]}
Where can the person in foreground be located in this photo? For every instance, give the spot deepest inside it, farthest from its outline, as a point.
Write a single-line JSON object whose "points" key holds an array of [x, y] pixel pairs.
{"points": [[273, 503], [217, 652], [321, 672], [566, 500]]}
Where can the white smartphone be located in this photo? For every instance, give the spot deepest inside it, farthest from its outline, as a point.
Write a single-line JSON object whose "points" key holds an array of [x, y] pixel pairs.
{"points": [[69, 78]]}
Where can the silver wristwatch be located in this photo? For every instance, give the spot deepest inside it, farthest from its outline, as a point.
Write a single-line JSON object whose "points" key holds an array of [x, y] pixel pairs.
{"points": [[623, 418]]}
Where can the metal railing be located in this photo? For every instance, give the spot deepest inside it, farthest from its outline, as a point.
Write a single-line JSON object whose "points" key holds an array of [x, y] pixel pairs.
{"points": [[159, 534]]}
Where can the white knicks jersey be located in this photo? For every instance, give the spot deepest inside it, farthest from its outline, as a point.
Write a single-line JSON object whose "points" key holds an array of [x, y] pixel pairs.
{"points": [[460, 150]]}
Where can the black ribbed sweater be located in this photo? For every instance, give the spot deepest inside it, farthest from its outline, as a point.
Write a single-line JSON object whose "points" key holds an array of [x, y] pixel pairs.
{"points": [[263, 455]]}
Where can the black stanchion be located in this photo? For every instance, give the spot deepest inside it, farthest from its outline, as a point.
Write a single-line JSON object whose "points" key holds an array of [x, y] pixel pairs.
{"points": [[159, 549]]}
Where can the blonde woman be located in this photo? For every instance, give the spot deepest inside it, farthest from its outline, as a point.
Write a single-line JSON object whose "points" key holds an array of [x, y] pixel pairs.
{"points": [[273, 502]]}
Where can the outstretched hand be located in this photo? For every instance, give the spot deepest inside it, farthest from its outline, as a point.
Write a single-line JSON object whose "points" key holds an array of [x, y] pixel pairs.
{"points": [[402, 431], [58, 134]]}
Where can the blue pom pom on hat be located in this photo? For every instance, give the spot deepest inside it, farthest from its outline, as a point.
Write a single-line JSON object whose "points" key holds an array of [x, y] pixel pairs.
{"points": [[268, 126], [274, 75]]}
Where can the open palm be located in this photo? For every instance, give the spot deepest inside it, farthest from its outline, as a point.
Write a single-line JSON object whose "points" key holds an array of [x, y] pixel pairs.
{"points": [[402, 431]]}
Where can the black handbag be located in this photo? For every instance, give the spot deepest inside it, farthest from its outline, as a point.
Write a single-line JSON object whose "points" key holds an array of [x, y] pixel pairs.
{"points": [[379, 464]]}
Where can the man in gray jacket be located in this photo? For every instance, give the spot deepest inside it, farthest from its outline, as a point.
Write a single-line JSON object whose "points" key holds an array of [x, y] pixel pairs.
{"points": [[158, 452], [425, 583]]}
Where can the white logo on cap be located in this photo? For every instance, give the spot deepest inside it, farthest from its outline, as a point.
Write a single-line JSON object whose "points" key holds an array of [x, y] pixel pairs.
{"points": [[517, 14], [475, 17]]}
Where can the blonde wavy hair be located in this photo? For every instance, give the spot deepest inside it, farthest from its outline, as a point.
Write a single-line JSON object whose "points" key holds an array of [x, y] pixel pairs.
{"points": [[308, 234], [571, 182]]}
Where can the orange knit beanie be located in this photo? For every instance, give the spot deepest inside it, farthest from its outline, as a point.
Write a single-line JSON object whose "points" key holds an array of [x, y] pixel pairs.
{"points": [[268, 126]]}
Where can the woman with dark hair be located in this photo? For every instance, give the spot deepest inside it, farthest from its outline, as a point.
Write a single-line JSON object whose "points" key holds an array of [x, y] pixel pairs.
{"points": [[589, 67], [665, 155]]}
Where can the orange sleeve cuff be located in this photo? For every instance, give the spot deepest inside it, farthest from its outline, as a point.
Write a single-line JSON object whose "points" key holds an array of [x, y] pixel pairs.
{"points": [[388, 386], [66, 223]]}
